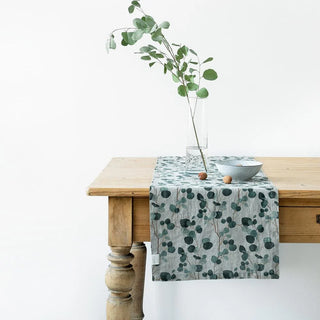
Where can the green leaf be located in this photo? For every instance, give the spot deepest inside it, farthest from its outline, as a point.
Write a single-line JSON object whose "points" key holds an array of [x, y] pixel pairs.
{"points": [[145, 49], [165, 25], [191, 70], [176, 45], [157, 36], [159, 55], [153, 54], [125, 36], [182, 90], [131, 9], [136, 4], [149, 21], [137, 35], [146, 58], [202, 93], [175, 78], [152, 47], [124, 43], [208, 60], [169, 65], [193, 52], [192, 86], [151, 64], [189, 77], [210, 74], [128, 37], [112, 43], [164, 69], [185, 50], [140, 24], [184, 67]]}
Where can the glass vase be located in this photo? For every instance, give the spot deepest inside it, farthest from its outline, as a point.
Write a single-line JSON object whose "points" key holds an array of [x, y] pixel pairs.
{"points": [[197, 136]]}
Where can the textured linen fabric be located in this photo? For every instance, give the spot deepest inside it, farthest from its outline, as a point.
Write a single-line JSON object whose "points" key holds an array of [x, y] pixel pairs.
{"points": [[205, 229]]}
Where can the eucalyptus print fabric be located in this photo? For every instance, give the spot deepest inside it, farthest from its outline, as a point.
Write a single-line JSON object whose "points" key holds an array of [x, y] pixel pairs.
{"points": [[205, 229]]}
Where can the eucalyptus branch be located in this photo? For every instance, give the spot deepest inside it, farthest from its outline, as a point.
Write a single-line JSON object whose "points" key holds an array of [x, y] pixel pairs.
{"points": [[199, 80], [124, 28], [174, 61]]}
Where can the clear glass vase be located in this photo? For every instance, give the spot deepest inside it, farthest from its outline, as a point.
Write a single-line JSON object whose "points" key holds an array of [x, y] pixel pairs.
{"points": [[197, 136]]}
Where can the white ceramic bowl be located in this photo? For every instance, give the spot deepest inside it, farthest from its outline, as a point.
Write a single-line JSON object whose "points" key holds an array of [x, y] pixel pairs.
{"points": [[240, 170]]}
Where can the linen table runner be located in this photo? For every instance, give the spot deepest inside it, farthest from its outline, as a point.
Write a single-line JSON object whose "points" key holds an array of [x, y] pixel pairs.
{"points": [[205, 229]]}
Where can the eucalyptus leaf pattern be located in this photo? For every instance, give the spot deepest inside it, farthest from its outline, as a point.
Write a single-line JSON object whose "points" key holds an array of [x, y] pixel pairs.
{"points": [[205, 229]]}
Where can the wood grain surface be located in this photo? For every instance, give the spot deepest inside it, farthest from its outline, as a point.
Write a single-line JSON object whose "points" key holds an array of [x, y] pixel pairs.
{"points": [[295, 178]]}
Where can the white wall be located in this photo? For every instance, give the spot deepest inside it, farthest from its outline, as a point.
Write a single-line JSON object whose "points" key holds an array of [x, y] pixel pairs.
{"points": [[66, 108]]}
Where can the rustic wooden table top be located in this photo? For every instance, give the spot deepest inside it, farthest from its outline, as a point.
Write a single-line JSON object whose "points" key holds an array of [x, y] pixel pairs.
{"points": [[295, 178]]}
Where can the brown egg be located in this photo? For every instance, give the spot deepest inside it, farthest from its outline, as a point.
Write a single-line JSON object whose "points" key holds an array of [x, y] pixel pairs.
{"points": [[227, 179], [202, 175]]}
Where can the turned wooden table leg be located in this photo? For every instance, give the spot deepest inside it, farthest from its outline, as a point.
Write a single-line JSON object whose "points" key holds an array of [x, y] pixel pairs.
{"points": [[119, 280], [139, 264], [120, 274]]}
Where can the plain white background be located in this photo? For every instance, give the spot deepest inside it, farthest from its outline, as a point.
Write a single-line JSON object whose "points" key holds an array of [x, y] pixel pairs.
{"points": [[66, 108]]}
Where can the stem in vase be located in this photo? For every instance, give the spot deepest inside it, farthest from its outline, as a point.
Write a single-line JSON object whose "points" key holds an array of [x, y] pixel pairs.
{"points": [[196, 135]]}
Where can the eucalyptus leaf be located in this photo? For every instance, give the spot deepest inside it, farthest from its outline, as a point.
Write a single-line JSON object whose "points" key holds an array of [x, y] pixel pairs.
{"points": [[192, 86], [185, 50], [164, 69], [210, 74], [145, 49], [191, 70], [136, 4], [165, 25], [157, 36], [193, 62], [153, 29], [175, 78], [112, 43], [140, 24], [153, 54], [176, 45], [151, 64], [131, 9], [149, 21], [137, 35], [208, 60], [184, 67], [125, 36], [190, 77], [124, 43], [202, 93], [169, 65], [193, 52], [128, 37], [182, 90], [145, 58]]}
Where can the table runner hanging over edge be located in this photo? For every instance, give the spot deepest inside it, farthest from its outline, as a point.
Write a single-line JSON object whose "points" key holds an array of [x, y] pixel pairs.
{"points": [[205, 229]]}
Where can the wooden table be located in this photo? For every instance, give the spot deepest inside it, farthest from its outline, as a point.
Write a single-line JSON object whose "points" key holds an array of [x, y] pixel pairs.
{"points": [[126, 182]]}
